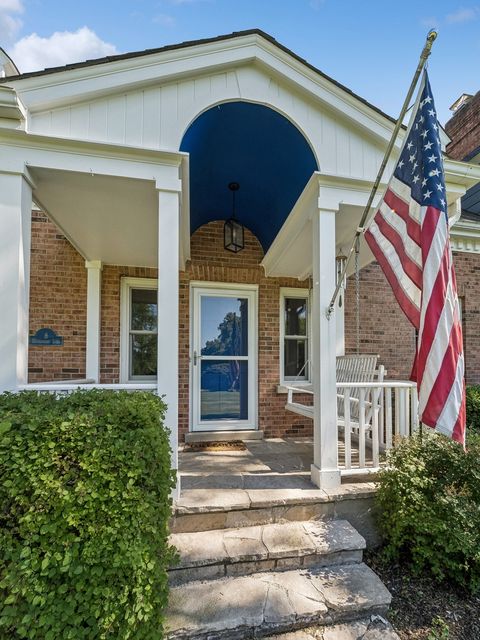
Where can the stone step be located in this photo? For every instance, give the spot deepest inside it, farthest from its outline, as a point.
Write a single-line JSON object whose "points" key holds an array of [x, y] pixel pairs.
{"points": [[245, 550], [208, 509], [263, 604], [373, 628]]}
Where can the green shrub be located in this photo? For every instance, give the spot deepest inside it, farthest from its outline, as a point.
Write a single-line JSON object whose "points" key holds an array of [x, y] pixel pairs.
{"points": [[428, 507], [473, 407], [85, 486]]}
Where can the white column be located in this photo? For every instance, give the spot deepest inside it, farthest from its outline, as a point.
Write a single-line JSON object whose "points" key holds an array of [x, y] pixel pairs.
{"points": [[325, 472], [15, 234], [94, 297], [168, 312]]}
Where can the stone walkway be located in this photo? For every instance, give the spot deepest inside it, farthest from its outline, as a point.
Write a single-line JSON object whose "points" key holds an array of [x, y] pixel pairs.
{"points": [[373, 628], [263, 552], [272, 602]]}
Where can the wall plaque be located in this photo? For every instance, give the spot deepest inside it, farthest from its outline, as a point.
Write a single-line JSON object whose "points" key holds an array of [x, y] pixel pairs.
{"points": [[46, 338]]}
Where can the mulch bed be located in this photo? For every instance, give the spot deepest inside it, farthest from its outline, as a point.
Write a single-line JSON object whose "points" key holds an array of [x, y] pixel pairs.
{"points": [[423, 609], [234, 445]]}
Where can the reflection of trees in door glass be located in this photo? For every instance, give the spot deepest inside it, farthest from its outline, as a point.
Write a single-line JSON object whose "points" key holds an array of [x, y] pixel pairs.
{"points": [[232, 334]]}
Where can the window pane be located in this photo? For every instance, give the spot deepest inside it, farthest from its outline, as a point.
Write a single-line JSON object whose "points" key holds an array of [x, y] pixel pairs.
{"points": [[295, 359], [224, 326], [144, 310], [224, 390], [143, 355], [295, 317]]}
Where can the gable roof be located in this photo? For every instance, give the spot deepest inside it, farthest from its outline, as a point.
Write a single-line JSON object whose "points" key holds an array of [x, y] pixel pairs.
{"points": [[192, 43]]}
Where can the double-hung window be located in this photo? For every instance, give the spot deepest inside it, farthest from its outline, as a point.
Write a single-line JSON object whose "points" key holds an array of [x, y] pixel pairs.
{"points": [[138, 329], [294, 335]]}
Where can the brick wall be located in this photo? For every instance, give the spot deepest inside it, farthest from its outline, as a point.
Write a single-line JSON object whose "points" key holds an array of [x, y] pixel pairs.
{"points": [[463, 129], [58, 294], [211, 263], [384, 329], [58, 300]]}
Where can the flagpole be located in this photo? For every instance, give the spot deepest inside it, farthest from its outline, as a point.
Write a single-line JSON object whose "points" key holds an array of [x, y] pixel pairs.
{"points": [[431, 37]]}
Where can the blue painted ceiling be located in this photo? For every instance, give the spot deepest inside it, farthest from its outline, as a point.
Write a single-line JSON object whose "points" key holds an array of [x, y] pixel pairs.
{"points": [[261, 150]]}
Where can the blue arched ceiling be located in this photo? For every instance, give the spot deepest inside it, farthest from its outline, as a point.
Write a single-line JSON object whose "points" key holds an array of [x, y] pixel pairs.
{"points": [[261, 150]]}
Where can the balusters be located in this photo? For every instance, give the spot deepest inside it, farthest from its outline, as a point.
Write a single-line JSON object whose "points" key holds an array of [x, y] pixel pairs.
{"points": [[361, 427], [348, 429]]}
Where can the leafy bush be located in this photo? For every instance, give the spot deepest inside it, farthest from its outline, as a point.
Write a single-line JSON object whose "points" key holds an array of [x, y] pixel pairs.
{"points": [[85, 486], [473, 407], [428, 506]]}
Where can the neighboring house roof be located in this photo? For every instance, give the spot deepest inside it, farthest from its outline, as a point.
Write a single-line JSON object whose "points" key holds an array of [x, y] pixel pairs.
{"points": [[471, 204], [191, 43]]}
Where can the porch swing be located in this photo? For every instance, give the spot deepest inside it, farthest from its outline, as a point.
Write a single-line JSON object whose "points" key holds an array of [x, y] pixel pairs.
{"points": [[353, 368]]}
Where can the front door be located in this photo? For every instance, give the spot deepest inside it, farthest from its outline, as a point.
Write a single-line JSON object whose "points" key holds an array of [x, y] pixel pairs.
{"points": [[224, 377]]}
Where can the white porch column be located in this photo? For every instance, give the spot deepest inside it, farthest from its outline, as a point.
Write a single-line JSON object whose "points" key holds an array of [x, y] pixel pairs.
{"points": [[94, 295], [325, 472], [168, 315], [15, 234]]}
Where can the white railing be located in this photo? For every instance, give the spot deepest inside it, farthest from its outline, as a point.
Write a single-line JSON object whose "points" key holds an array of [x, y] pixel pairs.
{"points": [[66, 386], [372, 416]]}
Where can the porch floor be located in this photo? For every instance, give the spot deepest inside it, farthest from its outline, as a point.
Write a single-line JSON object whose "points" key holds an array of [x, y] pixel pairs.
{"points": [[269, 481], [273, 463]]}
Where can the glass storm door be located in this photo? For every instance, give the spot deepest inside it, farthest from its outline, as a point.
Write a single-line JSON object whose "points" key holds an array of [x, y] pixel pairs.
{"points": [[223, 359]]}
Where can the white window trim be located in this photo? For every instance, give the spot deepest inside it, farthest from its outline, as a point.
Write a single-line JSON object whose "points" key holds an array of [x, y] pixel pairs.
{"points": [[293, 292], [126, 284]]}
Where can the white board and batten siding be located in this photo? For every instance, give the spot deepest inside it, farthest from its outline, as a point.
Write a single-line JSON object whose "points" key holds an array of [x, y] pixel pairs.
{"points": [[157, 117]]}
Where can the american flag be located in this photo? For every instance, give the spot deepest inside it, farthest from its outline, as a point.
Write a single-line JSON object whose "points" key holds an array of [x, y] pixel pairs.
{"points": [[409, 238]]}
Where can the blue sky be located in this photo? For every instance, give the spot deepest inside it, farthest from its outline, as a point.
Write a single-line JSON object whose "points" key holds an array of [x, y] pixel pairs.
{"points": [[371, 46]]}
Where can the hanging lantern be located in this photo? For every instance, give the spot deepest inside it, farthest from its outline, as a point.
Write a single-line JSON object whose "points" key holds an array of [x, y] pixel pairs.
{"points": [[340, 261], [233, 232]]}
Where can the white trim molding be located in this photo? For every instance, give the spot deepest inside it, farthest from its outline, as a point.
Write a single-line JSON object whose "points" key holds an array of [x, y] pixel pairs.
{"points": [[299, 294], [126, 285], [250, 291], [465, 236]]}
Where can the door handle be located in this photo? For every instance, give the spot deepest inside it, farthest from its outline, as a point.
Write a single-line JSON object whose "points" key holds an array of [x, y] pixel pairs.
{"points": [[195, 357]]}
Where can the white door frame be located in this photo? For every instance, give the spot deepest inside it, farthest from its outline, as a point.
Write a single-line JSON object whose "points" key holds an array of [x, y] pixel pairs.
{"points": [[221, 289]]}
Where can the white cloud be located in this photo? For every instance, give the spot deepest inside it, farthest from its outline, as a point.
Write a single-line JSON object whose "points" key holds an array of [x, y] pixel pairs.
{"points": [[431, 22], [10, 23], [164, 20], [462, 15], [33, 53]]}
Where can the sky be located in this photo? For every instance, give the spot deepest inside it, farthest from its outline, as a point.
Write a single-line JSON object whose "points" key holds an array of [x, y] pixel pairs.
{"points": [[371, 46]]}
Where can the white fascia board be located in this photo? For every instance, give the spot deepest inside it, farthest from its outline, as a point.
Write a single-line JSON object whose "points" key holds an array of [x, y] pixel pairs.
{"points": [[92, 82], [63, 154], [461, 173], [467, 228], [78, 85]]}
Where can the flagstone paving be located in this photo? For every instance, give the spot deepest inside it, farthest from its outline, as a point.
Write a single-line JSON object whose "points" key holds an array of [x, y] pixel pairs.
{"points": [[244, 550], [374, 628], [264, 603], [264, 552]]}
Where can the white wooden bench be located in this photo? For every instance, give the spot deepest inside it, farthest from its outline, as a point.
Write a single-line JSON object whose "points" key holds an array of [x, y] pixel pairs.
{"points": [[350, 368]]}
